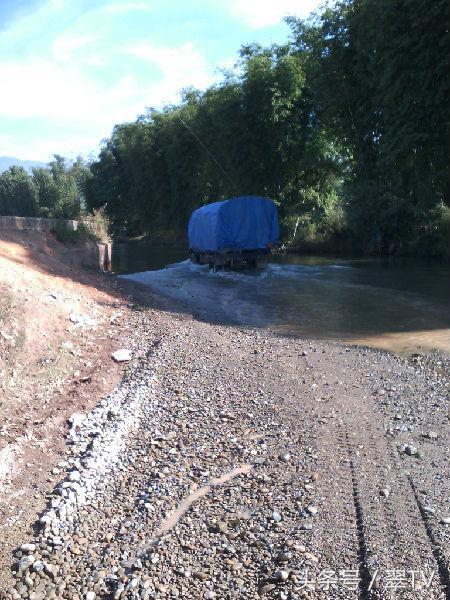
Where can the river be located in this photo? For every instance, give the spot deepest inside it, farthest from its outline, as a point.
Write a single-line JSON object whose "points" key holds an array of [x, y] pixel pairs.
{"points": [[400, 305]]}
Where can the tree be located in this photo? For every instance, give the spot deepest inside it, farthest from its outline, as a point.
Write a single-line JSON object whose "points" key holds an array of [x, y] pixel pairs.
{"points": [[18, 193], [380, 74]]}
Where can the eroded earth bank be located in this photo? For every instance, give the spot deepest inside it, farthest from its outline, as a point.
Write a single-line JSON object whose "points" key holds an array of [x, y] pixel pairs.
{"points": [[234, 463]]}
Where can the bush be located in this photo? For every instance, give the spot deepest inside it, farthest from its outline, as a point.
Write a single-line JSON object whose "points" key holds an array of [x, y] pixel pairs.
{"points": [[94, 227], [71, 236], [99, 224]]}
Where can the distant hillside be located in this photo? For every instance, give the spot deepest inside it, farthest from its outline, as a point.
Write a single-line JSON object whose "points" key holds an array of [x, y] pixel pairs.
{"points": [[10, 161]]}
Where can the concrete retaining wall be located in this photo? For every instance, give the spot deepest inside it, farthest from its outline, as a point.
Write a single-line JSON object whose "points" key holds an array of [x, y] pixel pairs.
{"points": [[91, 254], [35, 224]]}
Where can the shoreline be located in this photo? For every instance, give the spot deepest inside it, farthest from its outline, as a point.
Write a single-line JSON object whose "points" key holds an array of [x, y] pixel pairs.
{"points": [[228, 396]]}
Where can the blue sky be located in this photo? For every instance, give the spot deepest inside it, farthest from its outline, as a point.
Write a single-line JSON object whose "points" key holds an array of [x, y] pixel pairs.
{"points": [[71, 69]]}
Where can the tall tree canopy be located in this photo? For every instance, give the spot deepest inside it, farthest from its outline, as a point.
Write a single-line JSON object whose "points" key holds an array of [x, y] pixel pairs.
{"points": [[380, 72], [255, 133]]}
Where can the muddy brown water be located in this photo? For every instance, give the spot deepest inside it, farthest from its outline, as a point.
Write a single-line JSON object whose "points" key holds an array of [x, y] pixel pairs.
{"points": [[400, 305]]}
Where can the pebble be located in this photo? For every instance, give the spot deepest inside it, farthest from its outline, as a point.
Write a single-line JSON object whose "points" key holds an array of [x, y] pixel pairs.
{"points": [[281, 575], [428, 509], [28, 547], [38, 566], [44, 519], [200, 575], [234, 540], [26, 561], [311, 557], [122, 355], [276, 516], [268, 587], [284, 557]]}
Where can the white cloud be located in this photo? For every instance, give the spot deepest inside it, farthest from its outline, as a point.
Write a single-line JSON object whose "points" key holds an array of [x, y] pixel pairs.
{"points": [[180, 67], [261, 13], [66, 96], [80, 109], [42, 88], [67, 44], [71, 70]]}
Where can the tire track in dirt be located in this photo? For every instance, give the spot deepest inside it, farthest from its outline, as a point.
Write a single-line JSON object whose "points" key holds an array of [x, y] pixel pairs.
{"points": [[340, 548], [366, 575], [442, 563], [334, 536], [392, 525]]}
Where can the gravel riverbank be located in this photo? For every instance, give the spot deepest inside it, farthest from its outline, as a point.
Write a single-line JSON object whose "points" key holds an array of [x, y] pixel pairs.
{"points": [[234, 463]]}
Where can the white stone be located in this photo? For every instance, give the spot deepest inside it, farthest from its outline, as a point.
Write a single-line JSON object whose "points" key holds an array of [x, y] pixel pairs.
{"points": [[45, 519], [74, 476], [122, 355], [76, 419]]}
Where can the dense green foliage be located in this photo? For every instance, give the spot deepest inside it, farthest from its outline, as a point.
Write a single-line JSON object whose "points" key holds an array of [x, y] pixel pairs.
{"points": [[53, 192], [255, 133], [346, 127], [380, 72], [18, 193]]}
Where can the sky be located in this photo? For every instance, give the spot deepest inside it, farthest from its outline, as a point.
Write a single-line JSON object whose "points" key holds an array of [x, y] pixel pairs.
{"points": [[71, 69]]}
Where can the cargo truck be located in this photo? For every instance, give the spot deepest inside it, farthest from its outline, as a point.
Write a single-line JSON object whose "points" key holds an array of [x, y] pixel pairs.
{"points": [[234, 234]]}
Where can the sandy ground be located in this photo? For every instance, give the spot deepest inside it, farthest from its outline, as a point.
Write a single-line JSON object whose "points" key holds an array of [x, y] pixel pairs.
{"points": [[238, 463]]}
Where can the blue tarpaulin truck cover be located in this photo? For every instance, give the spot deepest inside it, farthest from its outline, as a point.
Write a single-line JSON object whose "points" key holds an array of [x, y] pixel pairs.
{"points": [[242, 223]]}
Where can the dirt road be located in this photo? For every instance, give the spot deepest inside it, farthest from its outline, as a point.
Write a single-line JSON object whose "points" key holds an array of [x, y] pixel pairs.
{"points": [[232, 463]]}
